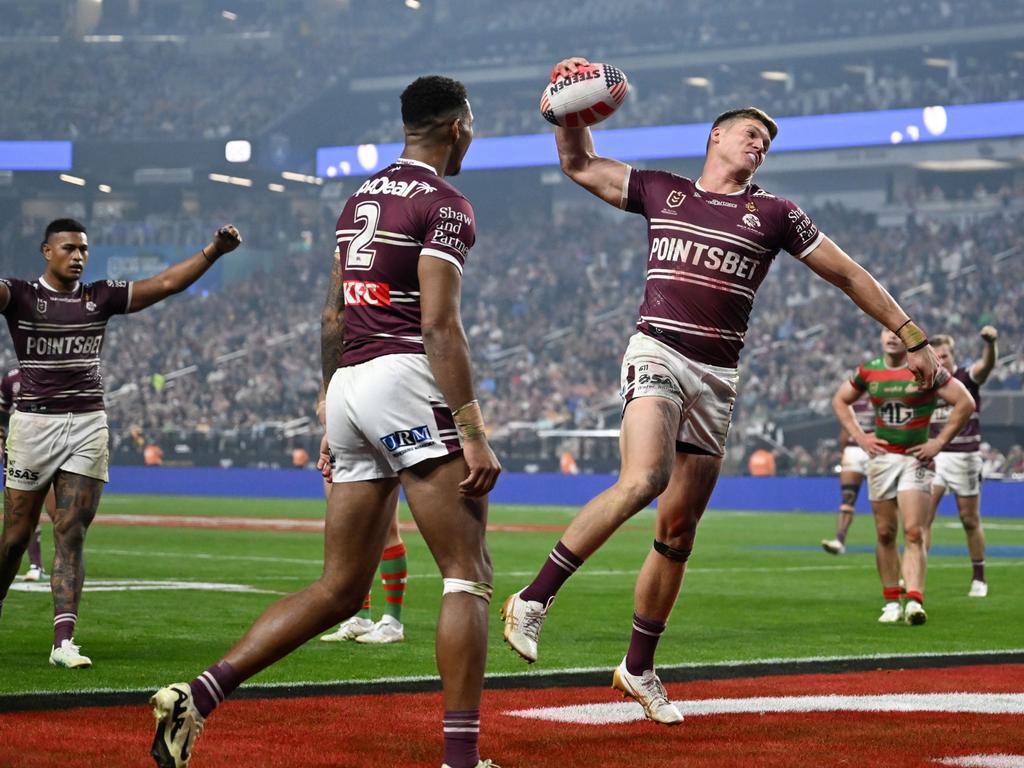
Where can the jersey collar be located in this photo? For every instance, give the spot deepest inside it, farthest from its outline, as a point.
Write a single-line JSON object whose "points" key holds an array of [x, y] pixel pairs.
{"points": [[724, 194], [421, 164], [47, 286]]}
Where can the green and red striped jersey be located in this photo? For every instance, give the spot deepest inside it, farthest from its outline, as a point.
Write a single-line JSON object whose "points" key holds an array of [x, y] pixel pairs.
{"points": [[902, 409]]}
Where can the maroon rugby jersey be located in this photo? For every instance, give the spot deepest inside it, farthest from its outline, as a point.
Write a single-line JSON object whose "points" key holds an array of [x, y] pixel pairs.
{"points": [[10, 388], [395, 216], [969, 438], [864, 413], [58, 338], [708, 254]]}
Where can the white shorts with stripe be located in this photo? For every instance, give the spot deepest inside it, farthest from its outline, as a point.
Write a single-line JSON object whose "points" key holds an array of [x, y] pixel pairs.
{"points": [[958, 472], [892, 473], [704, 393], [855, 459], [39, 444], [385, 415]]}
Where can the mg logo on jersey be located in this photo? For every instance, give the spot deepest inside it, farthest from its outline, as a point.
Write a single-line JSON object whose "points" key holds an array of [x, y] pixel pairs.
{"points": [[407, 438], [675, 198], [362, 293]]}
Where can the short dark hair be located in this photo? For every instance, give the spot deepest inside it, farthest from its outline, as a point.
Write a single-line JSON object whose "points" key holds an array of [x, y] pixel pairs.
{"points": [[754, 114], [63, 225], [429, 98]]}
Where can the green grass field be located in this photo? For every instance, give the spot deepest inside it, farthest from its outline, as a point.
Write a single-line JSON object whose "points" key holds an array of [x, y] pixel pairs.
{"points": [[758, 587]]}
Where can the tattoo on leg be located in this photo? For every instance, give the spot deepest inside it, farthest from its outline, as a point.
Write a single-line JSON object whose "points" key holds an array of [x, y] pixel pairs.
{"points": [[21, 513], [78, 497]]}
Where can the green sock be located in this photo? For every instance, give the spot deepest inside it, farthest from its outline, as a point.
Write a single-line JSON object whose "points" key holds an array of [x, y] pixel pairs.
{"points": [[393, 573]]}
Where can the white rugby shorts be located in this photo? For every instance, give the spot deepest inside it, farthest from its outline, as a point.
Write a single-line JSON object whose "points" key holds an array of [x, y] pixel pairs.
{"points": [[958, 472], [704, 393], [892, 473], [855, 459], [385, 415], [39, 444]]}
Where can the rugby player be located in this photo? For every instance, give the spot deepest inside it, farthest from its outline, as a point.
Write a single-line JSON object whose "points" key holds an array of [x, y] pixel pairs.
{"points": [[58, 433], [400, 410], [958, 465], [10, 388], [710, 244], [852, 469], [899, 467]]}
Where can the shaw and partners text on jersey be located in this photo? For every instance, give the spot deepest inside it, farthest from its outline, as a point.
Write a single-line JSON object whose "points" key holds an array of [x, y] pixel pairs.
{"points": [[68, 345], [726, 262]]}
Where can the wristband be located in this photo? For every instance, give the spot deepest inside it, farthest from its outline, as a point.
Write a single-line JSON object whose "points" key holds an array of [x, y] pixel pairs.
{"points": [[208, 259], [912, 337], [469, 421]]}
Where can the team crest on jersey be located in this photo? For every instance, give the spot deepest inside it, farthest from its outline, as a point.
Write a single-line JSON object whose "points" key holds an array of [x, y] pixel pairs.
{"points": [[751, 207], [41, 306], [751, 221], [90, 306], [675, 198]]}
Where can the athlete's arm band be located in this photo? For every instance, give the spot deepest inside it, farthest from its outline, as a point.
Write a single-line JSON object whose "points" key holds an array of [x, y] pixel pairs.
{"points": [[208, 259], [912, 336], [469, 421]]}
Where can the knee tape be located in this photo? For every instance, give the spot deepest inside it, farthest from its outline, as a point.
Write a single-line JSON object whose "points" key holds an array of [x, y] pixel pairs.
{"points": [[850, 493], [678, 555], [478, 588]]}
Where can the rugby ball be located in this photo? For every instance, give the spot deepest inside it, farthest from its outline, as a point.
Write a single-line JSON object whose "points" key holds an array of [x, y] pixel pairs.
{"points": [[585, 97]]}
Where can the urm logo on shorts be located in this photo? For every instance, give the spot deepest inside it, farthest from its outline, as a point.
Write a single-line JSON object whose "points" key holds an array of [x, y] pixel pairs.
{"points": [[405, 438]]}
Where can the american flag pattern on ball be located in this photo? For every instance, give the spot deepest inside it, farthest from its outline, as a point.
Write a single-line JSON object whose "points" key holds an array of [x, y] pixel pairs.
{"points": [[585, 97]]}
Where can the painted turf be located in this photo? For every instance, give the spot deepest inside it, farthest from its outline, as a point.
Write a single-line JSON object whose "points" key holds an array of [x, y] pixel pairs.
{"points": [[404, 729]]}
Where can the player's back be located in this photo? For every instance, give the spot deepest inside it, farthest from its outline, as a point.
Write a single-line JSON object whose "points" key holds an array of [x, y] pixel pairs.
{"points": [[396, 215]]}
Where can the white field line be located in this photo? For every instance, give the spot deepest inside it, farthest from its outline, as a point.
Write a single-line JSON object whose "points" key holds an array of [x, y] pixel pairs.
{"points": [[626, 712], [984, 761], [146, 585]]}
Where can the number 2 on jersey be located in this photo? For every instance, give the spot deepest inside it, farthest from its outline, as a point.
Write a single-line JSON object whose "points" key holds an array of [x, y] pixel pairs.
{"points": [[359, 256]]}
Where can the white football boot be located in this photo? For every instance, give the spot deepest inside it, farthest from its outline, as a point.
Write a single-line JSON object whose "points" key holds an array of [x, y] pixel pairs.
{"points": [[892, 613], [387, 630], [481, 764], [34, 573], [914, 613], [67, 655], [978, 589], [647, 690], [178, 725], [349, 629], [523, 621], [833, 546]]}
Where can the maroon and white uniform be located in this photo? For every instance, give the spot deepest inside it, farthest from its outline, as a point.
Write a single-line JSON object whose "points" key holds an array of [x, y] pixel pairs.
{"points": [[958, 465], [855, 458], [707, 255], [385, 412], [58, 337]]}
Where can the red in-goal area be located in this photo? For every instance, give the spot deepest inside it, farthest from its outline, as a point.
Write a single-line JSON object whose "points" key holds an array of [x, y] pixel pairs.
{"points": [[404, 729]]}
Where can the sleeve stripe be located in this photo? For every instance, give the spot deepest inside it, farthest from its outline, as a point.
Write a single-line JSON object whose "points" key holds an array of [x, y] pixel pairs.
{"points": [[807, 251], [441, 255], [128, 306], [624, 201]]}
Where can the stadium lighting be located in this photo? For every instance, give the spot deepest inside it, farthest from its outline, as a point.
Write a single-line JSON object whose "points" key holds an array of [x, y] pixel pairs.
{"points": [[104, 188], [78, 181], [238, 181], [935, 62], [698, 82], [238, 151], [292, 176], [963, 164], [775, 75], [103, 38], [229, 15], [413, 4], [275, 187]]}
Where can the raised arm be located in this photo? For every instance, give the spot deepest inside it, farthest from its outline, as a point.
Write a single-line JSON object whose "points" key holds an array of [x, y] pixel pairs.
{"points": [[830, 262], [983, 367], [842, 403], [956, 394], [448, 353], [601, 176], [177, 277]]}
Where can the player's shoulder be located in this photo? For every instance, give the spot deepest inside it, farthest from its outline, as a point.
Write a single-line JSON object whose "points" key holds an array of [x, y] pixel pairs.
{"points": [[104, 285], [875, 364], [656, 176], [16, 282], [765, 198]]}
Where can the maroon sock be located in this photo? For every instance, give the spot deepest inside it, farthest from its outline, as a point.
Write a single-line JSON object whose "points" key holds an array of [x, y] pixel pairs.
{"points": [[891, 594], [213, 686], [35, 550], [560, 565], [461, 734], [643, 644], [63, 627], [978, 570]]}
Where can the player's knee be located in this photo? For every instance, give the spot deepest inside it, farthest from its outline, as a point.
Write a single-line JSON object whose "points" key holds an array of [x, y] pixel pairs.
{"points": [[886, 535], [69, 537], [971, 521], [679, 553], [481, 589], [643, 488], [913, 535]]}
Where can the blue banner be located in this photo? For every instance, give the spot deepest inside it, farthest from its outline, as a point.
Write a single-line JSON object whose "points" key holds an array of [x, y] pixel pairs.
{"points": [[35, 155]]}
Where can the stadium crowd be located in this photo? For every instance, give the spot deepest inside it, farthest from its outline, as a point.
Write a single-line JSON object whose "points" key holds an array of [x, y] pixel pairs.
{"points": [[548, 306]]}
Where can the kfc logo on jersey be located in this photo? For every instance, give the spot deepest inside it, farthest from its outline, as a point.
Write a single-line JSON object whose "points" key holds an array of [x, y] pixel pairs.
{"points": [[359, 293], [407, 439], [675, 198]]}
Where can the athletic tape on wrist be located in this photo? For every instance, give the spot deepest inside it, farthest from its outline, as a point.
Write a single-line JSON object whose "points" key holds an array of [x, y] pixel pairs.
{"points": [[478, 588], [912, 336], [469, 421]]}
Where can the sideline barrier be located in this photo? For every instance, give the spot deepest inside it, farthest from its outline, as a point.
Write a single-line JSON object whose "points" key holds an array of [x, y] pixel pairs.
{"points": [[811, 494]]}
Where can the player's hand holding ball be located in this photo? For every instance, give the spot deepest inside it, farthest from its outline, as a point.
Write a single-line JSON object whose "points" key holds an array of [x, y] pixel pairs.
{"points": [[226, 239], [581, 93]]}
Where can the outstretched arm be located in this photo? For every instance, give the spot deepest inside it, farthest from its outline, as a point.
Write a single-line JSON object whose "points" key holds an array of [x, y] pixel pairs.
{"points": [[981, 369], [830, 262], [601, 176], [177, 277]]}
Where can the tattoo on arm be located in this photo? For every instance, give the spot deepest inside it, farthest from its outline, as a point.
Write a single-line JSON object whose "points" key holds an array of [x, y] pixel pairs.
{"points": [[332, 324]]}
